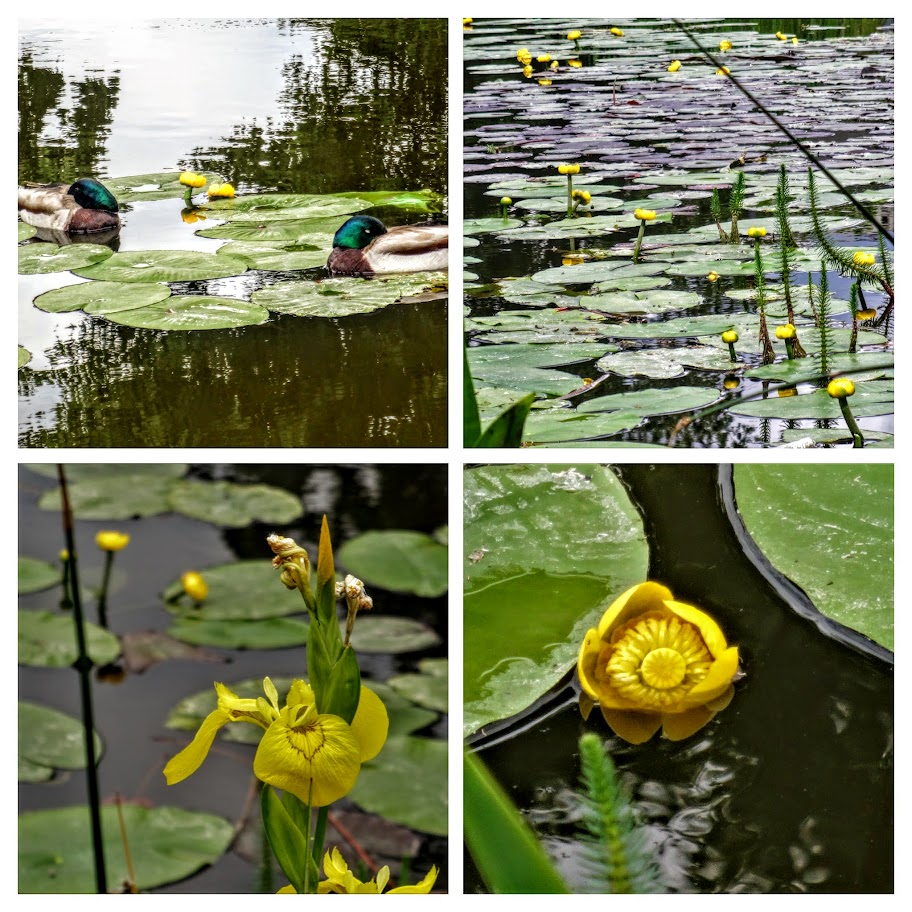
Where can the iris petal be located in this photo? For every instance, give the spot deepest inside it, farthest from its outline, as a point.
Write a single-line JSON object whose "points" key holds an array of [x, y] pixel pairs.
{"points": [[371, 724], [423, 886], [189, 760]]}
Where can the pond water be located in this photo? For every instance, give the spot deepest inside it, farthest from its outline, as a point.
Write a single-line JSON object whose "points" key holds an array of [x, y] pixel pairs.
{"points": [[130, 713], [644, 137], [293, 106], [791, 790]]}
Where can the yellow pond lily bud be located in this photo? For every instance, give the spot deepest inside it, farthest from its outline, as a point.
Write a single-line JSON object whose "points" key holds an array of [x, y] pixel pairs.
{"points": [[713, 276], [729, 336], [555, 64], [618, 32], [794, 40], [674, 66], [222, 191], [863, 259], [112, 541], [723, 71], [544, 82], [575, 63], [543, 58], [654, 662], [522, 52], [526, 60], [527, 71], [786, 391], [868, 314], [786, 331], [725, 45], [756, 232], [644, 215], [506, 201], [781, 37], [575, 35], [841, 387], [568, 169], [466, 20], [191, 179], [195, 586], [731, 383], [64, 555]]}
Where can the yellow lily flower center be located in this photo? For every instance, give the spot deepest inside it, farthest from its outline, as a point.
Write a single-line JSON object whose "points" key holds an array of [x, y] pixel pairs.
{"points": [[657, 660]]}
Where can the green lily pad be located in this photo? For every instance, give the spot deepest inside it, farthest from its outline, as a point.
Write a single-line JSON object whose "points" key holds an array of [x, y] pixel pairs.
{"points": [[653, 401], [285, 258], [830, 529], [24, 356], [665, 363], [398, 560], [429, 688], [587, 272], [40, 258], [874, 397], [288, 230], [407, 783], [559, 204], [269, 633], [166, 844], [558, 425], [163, 266], [155, 186], [48, 640], [285, 206], [51, 738], [186, 312], [408, 200], [545, 548], [101, 297], [516, 367], [860, 366], [642, 302], [833, 435], [442, 535], [225, 503], [26, 231], [246, 590], [487, 225], [121, 494], [35, 575], [392, 635], [404, 716], [139, 472], [341, 297], [27, 771]]}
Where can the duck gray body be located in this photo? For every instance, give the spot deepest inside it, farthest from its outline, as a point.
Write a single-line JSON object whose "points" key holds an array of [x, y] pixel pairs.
{"points": [[364, 246]]}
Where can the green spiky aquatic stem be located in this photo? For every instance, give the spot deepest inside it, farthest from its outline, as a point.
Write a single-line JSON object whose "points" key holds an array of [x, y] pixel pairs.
{"points": [[853, 306], [823, 303], [811, 301], [795, 349], [736, 207], [783, 193], [765, 343], [840, 258], [617, 855], [886, 260], [715, 207]]}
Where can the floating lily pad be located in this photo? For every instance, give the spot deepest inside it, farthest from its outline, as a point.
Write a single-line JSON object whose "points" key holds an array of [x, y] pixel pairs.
{"points": [[398, 560], [283, 258], [28, 771], [407, 783], [559, 204], [52, 739], [563, 425], [486, 225], [140, 472], [48, 640], [155, 186], [123, 492], [186, 312], [269, 633], [392, 635], [162, 266], [665, 363], [871, 398], [428, 688], [833, 435], [527, 606], [24, 356], [284, 206], [642, 302], [341, 297], [40, 258], [35, 575], [226, 503], [404, 716], [288, 230], [408, 200], [650, 402], [101, 297], [26, 231], [515, 366], [588, 272], [841, 555], [243, 591], [860, 366], [166, 845]]}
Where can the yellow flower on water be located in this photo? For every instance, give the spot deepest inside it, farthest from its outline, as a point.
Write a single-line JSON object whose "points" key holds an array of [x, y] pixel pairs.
{"points": [[195, 586], [525, 59], [64, 555], [656, 663], [618, 32], [786, 331], [868, 314], [584, 195], [112, 541], [723, 71], [863, 259], [466, 20], [781, 37], [794, 40], [543, 58], [674, 66], [506, 201], [191, 179], [644, 215], [191, 216], [339, 879], [572, 259], [544, 82], [522, 52], [568, 169], [316, 757], [555, 64], [713, 276], [731, 383], [841, 387], [527, 71], [575, 63], [574, 35], [225, 191], [756, 232], [730, 336], [725, 45]]}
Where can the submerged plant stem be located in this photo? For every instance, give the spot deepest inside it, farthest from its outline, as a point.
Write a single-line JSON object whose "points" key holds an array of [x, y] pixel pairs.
{"points": [[851, 424]]}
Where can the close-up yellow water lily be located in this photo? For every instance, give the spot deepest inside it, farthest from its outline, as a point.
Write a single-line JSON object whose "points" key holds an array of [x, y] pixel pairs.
{"points": [[654, 662], [644, 215], [191, 179], [221, 191], [112, 541], [725, 45], [316, 757], [674, 66]]}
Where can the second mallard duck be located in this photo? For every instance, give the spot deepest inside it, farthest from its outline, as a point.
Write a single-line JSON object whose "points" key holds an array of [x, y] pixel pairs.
{"points": [[365, 246], [84, 207]]}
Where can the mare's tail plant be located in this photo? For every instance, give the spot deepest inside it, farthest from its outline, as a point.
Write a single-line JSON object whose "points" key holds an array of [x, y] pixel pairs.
{"points": [[786, 247], [767, 346], [823, 321], [715, 207], [617, 857], [853, 306], [736, 207]]}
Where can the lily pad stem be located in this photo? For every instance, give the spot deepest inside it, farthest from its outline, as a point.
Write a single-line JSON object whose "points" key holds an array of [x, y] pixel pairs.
{"points": [[790, 348], [851, 423], [732, 352], [569, 196], [103, 595], [636, 249]]}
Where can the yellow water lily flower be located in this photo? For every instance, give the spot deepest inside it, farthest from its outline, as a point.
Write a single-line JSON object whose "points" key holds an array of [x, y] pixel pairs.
{"points": [[868, 314], [466, 20], [731, 383], [841, 387], [506, 201], [191, 179], [794, 40], [786, 331], [568, 169], [195, 586], [674, 66], [644, 215], [555, 64], [729, 336], [653, 663], [315, 756], [112, 541], [192, 216], [756, 232], [781, 37], [522, 52], [575, 63], [584, 195], [617, 31], [527, 71], [544, 82], [723, 71], [224, 191], [574, 35], [543, 58], [725, 45], [861, 258], [341, 880], [713, 276]]}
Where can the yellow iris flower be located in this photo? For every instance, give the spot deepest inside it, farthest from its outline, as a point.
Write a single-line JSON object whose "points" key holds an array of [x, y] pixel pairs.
{"points": [[341, 880], [315, 756], [656, 663]]}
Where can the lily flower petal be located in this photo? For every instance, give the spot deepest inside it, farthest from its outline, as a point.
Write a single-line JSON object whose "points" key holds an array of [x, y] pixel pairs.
{"points": [[631, 604], [678, 726], [709, 629], [634, 727]]}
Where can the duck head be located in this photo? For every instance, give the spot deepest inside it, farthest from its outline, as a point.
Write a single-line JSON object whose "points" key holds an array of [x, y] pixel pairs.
{"points": [[90, 194], [358, 232]]}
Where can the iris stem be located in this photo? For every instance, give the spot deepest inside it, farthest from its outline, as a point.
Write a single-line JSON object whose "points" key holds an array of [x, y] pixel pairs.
{"points": [[636, 250], [850, 423], [320, 834], [309, 827]]}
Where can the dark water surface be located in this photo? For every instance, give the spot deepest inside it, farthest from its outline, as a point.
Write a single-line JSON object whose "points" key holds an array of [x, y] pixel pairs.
{"points": [[790, 789], [295, 106], [130, 716]]}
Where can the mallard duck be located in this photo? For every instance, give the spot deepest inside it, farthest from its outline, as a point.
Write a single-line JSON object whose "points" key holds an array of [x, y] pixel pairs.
{"points": [[365, 246], [84, 207]]}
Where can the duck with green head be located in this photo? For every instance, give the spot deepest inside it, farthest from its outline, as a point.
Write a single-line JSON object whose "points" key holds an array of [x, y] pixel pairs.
{"points": [[84, 207], [365, 246]]}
